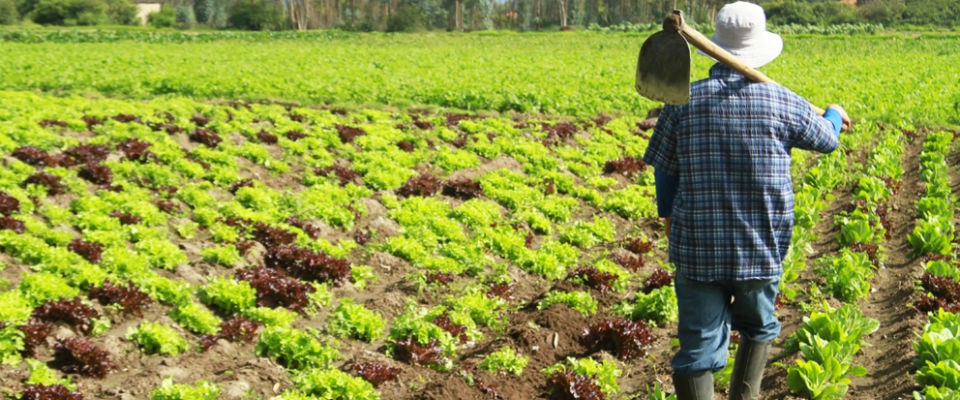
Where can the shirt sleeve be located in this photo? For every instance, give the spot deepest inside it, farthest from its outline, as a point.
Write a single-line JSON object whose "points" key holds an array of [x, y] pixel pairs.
{"points": [[811, 131], [662, 149], [666, 186]]}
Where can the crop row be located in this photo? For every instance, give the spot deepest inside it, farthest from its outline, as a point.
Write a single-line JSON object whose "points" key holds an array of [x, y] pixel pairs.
{"points": [[829, 338], [939, 288]]}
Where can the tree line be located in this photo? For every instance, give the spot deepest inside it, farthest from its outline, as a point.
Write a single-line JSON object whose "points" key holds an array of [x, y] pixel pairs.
{"points": [[464, 15]]}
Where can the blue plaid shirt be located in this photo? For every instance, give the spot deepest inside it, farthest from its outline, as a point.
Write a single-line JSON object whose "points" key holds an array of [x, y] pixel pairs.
{"points": [[729, 148]]}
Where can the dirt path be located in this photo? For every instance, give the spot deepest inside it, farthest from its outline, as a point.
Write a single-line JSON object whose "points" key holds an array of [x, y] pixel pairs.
{"points": [[889, 356]]}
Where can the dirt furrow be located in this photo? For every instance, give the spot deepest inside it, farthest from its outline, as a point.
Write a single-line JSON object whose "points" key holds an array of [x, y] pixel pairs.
{"points": [[889, 353]]}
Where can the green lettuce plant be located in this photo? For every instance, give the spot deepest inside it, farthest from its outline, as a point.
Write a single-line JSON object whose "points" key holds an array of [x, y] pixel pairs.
{"points": [[580, 301], [196, 318], [156, 338], [504, 361], [200, 390], [354, 320], [295, 349], [333, 384]]}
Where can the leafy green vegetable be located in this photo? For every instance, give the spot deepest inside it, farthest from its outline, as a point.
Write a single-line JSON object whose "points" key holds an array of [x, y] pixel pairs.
{"points": [[295, 349], [157, 338], [605, 373], [505, 360], [334, 384], [200, 390], [355, 320], [195, 318], [228, 295], [580, 301], [657, 307]]}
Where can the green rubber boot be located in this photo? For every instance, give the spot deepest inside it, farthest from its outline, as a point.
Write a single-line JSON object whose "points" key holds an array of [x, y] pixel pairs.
{"points": [[748, 369], [696, 386]]}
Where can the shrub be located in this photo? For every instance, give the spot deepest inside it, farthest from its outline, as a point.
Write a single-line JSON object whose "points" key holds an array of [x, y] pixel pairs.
{"points": [[8, 12]]}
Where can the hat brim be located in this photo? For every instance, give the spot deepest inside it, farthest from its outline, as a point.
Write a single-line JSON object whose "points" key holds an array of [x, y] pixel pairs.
{"points": [[756, 53]]}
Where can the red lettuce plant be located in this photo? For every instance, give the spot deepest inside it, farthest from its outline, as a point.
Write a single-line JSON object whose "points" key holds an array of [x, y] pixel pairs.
{"points": [[79, 355], [270, 236], [236, 329], [307, 264], [205, 137], [639, 246], [136, 150], [35, 334], [375, 373], [423, 185], [342, 172], [349, 133], [573, 386], [96, 174], [12, 224], [464, 189], [51, 182], [129, 297], [626, 165], [8, 204], [594, 278], [626, 338], [91, 251], [86, 153], [410, 351], [72, 312], [52, 392], [34, 156], [658, 279], [276, 289]]}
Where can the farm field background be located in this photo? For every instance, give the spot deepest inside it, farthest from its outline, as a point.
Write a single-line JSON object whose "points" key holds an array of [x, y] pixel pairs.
{"points": [[293, 209]]}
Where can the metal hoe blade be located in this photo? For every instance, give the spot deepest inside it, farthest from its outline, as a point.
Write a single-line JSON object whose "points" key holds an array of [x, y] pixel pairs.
{"points": [[663, 68]]}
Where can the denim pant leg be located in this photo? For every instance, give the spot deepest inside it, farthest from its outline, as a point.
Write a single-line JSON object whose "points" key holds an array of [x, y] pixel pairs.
{"points": [[702, 327], [708, 309], [752, 311]]}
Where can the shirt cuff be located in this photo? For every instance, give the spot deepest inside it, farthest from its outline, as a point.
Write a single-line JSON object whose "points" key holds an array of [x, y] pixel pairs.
{"points": [[835, 118]]}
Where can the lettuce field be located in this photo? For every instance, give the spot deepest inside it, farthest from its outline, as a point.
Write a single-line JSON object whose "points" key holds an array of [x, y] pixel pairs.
{"points": [[333, 215]]}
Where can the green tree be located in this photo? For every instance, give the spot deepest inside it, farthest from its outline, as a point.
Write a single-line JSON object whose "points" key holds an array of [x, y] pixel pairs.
{"points": [[8, 12], [256, 15], [790, 12], [886, 12], [122, 12], [165, 18], [406, 19], [70, 12]]}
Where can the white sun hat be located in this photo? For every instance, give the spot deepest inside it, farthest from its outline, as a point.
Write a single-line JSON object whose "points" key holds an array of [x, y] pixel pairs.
{"points": [[742, 30]]}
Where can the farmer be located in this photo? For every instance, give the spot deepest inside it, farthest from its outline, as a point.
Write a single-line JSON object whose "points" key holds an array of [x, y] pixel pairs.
{"points": [[722, 168]]}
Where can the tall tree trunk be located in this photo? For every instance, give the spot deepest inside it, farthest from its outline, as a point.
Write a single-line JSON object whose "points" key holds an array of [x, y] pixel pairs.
{"points": [[563, 13]]}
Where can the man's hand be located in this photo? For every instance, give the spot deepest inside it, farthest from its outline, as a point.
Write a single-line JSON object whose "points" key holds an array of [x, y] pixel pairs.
{"points": [[843, 115]]}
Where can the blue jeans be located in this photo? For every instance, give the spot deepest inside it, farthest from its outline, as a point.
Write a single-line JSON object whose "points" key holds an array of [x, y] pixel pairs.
{"points": [[708, 310]]}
